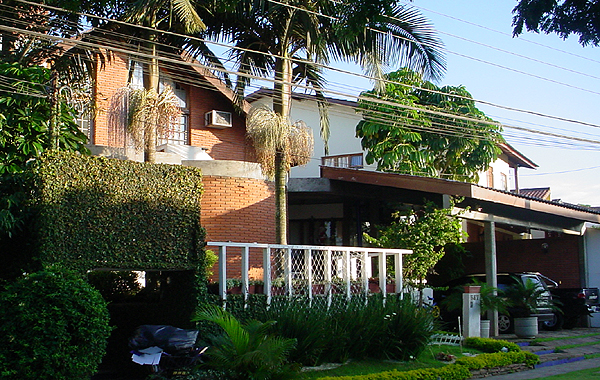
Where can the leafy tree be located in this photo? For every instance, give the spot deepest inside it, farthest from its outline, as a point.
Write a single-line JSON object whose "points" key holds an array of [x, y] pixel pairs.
{"points": [[26, 111], [287, 42], [564, 18], [417, 128], [426, 232]]}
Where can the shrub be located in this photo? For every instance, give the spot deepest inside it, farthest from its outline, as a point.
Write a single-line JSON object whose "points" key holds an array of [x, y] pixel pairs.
{"points": [[357, 328], [450, 372], [245, 351], [53, 325], [498, 359], [491, 345]]}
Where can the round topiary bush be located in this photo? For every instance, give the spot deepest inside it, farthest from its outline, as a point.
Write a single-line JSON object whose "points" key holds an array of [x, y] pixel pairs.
{"points": [[53, 325]]}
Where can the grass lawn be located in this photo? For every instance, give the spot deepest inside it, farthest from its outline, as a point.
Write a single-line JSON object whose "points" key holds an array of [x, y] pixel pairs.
{"points": [[425, 360]]}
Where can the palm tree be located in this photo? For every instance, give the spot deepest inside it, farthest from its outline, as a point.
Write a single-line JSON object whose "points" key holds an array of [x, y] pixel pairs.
{"points": [[289, 40], [143, 114], [245, 351], [160, 15]]}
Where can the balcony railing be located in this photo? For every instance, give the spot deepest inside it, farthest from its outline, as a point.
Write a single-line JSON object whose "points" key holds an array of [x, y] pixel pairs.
{"points": [[306, 270], [353, 161]]}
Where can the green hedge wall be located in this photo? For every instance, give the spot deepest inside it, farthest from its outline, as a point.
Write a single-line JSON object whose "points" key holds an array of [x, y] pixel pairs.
{"points": [[97, 212]]}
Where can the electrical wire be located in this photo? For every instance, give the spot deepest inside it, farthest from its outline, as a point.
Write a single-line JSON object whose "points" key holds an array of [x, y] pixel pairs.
{"points": [[237, 73], [372, 78]]}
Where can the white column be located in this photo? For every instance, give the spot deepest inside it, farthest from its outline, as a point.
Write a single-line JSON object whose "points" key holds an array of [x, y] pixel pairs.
{"points": [[470, 312], [491, 270]]}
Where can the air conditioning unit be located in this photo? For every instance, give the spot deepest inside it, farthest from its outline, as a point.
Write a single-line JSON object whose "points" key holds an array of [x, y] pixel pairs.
{"points": [[217, 119]]}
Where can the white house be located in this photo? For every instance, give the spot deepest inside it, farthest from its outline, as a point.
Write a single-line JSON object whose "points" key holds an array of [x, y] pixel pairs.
{"points": [[345, 149]]}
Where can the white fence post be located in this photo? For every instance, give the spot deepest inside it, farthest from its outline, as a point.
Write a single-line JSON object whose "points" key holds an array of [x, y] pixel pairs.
{"points": [[267, 274], [346, 265], [223, 273], [382, 273], [287, 259], [366, 271], [245, 270]]}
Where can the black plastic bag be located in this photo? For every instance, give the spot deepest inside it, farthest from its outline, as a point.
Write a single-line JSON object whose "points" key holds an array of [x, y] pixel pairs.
{"points": [[172, 340]]}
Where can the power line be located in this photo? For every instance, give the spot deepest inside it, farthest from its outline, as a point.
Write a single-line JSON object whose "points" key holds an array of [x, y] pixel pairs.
{"points": [[369, 77], [502, 33], [178, 62]]}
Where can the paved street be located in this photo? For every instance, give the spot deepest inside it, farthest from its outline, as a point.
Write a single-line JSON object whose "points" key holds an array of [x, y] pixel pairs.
{"points": [[566, 360]]}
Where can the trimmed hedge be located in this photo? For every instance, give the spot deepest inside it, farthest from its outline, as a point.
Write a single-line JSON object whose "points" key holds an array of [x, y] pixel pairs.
{"points": [[96, 212], [449, 372], [498, 359], [461, 369], [491, 345]]}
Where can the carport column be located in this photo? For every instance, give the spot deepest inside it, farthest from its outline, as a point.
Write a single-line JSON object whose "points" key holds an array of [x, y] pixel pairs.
{"points": [[491, 270]]}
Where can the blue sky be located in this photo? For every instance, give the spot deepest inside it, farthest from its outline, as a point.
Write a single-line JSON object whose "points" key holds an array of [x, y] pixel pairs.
{"points": [[567, 86]]}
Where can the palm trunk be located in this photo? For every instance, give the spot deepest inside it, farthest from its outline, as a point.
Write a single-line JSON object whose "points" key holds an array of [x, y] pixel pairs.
{"points": [[281, 106], [151, 82]]}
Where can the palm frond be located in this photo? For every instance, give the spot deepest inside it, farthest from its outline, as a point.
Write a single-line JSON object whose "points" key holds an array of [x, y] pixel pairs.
{"points": [[138, 110], [187, 14], [270, 134]]}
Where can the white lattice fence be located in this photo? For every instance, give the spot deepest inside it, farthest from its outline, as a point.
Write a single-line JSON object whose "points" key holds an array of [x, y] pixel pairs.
{"points": [[313, 271]]}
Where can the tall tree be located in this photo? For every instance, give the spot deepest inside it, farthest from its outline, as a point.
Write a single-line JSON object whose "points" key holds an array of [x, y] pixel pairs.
{"points": [[564, 18], [415, 127], [289, 41], [160, 15]]}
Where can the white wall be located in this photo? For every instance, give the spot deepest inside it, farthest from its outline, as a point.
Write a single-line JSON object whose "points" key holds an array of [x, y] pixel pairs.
{"points": [[342, 126], [499, 167], [592, 263]]}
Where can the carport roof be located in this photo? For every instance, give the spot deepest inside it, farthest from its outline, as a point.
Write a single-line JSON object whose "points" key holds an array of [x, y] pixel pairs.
{"points": [[484, 203]]}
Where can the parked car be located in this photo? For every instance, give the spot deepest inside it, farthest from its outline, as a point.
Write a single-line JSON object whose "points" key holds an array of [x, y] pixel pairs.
{"points": [[545, 312], [573, 303]]}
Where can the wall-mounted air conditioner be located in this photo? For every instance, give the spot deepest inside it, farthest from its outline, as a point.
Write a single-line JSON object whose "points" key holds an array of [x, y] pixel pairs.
{"points": [[217, 119]]}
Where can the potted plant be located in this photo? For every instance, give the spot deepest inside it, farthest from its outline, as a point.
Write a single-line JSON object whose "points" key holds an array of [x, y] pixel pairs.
{"points": [[490, 299], [525, 297], [256, 286], [233, 285]]}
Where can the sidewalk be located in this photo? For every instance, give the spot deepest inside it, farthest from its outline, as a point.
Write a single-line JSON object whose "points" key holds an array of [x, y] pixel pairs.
{"points": [[565, 353], [540, 373]]}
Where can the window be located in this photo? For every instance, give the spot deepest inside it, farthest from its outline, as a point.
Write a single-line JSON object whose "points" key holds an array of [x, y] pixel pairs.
{"points": [[504, 181], [79, 96], [179, 134], [490, 177]]}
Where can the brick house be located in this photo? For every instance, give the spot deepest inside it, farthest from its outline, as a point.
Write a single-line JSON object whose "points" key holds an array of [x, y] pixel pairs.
{"points": [[238, 202]]}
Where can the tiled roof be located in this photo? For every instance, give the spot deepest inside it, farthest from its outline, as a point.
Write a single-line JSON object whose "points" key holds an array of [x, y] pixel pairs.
{"points": [[539, 192]]}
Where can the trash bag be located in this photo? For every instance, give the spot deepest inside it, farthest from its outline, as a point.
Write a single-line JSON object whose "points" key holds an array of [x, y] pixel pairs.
{"points": [[172, 340]]}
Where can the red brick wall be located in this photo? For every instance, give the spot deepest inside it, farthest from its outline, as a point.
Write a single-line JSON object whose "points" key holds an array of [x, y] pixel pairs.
{"points": [[561, 262], [108, 80], [239, 210], [222, 144]]}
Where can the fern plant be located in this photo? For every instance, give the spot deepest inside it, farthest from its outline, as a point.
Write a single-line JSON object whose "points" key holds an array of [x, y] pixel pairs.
{"points": [[245, 351]]}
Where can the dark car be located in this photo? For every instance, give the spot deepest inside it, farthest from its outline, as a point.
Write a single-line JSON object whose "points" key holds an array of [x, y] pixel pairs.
{"points": [[544, 313]]}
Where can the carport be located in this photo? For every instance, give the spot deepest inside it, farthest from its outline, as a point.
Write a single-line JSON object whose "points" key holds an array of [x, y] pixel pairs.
{"points": [[349, 199]]}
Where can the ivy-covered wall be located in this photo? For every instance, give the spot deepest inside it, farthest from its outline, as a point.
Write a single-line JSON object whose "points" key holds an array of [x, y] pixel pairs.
{"points": [[95, 212]]}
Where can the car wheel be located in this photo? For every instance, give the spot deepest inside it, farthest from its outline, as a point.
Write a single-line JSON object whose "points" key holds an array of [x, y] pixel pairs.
{"points": [[505, 324], [555, 324]]}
